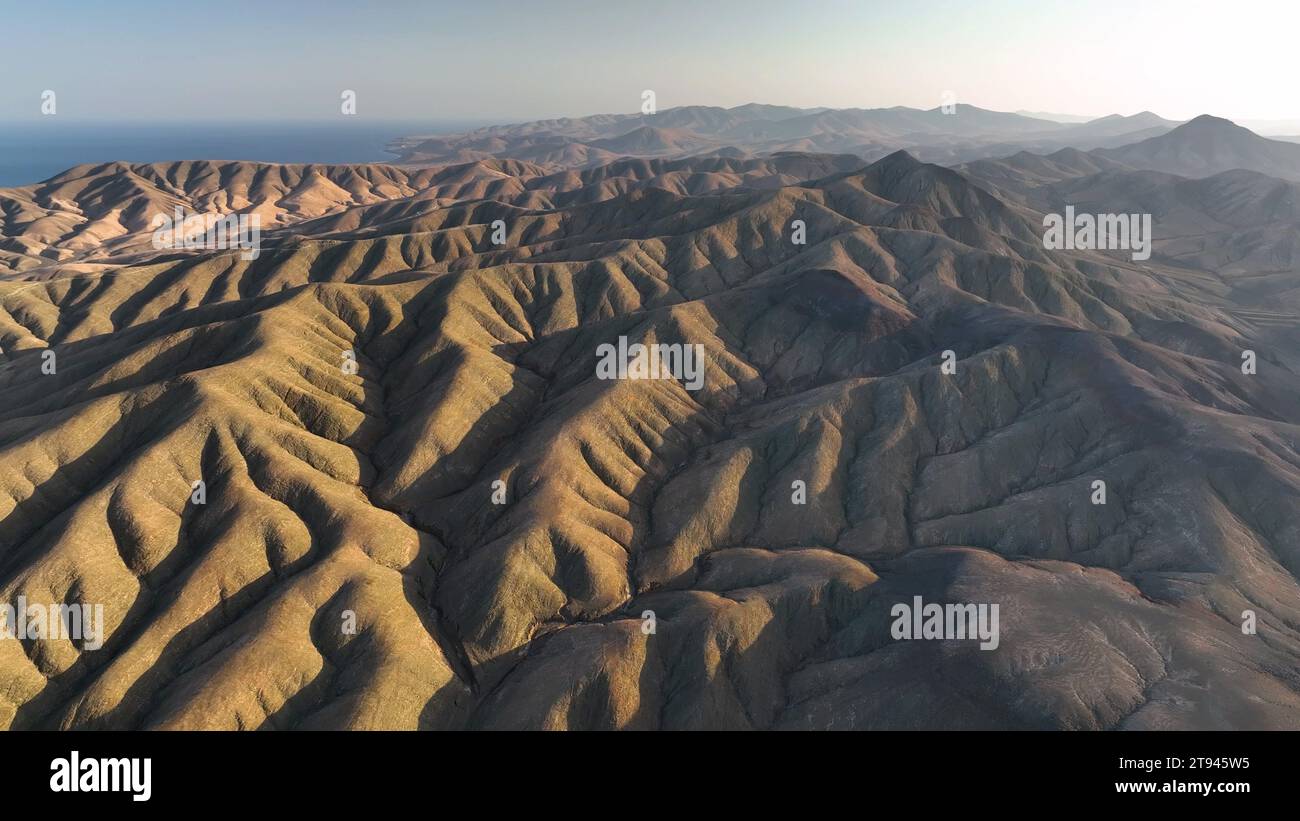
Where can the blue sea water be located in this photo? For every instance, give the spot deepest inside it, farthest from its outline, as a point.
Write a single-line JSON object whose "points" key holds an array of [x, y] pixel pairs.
{"points": [[37, 150]]}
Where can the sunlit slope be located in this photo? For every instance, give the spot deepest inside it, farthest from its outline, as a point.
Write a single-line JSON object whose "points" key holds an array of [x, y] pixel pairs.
{"points": [[333, 494]]}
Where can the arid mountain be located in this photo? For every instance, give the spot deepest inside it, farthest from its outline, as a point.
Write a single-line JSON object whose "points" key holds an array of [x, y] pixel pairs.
{"points": [[1232, 222], [1115, 125], [91, 217], [400, 424], [1204, 147], [1016, 177], [958, 132], [1210, 145]]}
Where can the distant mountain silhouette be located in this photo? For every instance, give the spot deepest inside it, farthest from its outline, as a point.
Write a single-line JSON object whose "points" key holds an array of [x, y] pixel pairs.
{"points": [[1210, 145]]}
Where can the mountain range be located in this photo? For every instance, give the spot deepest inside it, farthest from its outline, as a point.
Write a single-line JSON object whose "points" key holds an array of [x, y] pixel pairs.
{"points": [[951, 133], [397, 418]]}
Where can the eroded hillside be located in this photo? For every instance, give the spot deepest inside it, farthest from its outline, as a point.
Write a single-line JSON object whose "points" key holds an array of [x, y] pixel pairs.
{"points": [[498, 521]]}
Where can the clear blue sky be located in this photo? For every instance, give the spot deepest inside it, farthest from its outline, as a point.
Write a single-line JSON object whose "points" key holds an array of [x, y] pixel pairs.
{"points": [[489, 59]]}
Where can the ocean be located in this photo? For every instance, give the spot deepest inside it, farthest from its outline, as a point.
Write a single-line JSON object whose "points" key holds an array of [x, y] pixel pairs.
{"points": [[34, 151]]}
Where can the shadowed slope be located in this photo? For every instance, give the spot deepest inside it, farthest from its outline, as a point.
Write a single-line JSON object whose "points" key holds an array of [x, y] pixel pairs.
{"points": [[371, 492]]}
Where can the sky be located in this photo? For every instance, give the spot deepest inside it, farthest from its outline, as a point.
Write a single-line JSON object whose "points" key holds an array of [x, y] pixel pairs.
{"points": [[512, 61]]}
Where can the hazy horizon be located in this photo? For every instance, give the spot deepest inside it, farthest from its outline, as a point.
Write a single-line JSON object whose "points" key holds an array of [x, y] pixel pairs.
{"points": [[415, 61]]}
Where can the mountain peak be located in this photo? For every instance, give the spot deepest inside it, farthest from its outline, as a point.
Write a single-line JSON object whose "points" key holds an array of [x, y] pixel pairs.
{"points": [[898, 159], [1208, 145], [1209, 127], [1140, 118], [1208, 120]]}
